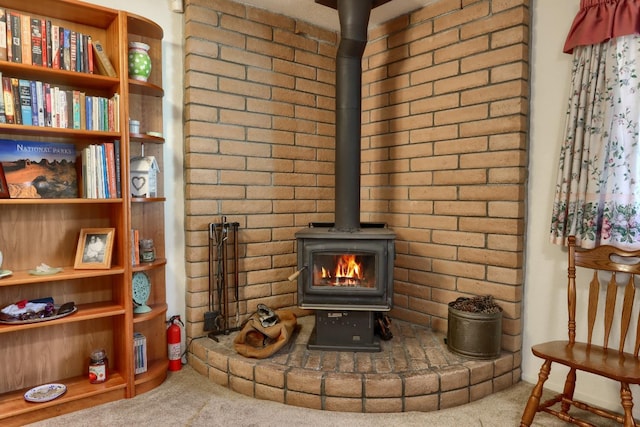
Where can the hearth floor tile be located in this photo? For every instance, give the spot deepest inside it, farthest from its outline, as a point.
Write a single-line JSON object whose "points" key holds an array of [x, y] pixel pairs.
{"points": [[414, 370]]}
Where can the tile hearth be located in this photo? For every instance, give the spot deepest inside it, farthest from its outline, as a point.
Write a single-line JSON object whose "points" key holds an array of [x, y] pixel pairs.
{"points": [[415, 371]]}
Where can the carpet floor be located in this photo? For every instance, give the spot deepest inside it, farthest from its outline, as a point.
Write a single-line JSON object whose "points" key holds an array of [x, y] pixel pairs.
{"points": [[187, 398]]}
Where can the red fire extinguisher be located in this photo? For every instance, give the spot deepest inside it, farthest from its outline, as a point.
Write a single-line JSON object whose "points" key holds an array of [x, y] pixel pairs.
{"points": [[173, 343]]}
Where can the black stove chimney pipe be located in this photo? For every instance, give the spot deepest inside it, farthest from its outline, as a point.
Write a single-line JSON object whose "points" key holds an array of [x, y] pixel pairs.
{"points": [[354, 21]]}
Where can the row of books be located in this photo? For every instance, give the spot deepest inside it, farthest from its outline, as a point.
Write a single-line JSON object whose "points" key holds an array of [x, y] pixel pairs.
{"points": [[36, 103], [139, 353], [30, 40], [101, 171]]}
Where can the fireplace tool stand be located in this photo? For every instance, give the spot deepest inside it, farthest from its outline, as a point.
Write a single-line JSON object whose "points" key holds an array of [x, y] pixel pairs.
{"points": [[223, 238]]}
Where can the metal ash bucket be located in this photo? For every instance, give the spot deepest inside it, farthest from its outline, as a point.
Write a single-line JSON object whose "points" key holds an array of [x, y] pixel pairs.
{"points": [[475, 327]]}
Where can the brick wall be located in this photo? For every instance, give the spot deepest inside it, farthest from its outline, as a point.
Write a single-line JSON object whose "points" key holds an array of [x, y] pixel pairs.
{"points": [[445, 108]]}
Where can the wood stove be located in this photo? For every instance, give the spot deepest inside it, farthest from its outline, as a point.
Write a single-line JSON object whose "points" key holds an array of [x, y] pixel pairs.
{"points": [[346, 268], [346, 277]]}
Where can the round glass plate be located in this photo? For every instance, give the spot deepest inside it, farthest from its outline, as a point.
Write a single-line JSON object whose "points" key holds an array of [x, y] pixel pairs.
{"points": [[46, 272], [9, 321], [45, 393], [4, 273]]}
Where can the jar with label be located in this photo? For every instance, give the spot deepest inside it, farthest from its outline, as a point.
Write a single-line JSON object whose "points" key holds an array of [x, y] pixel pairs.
{"points": [[147, 250], [98, 366]]}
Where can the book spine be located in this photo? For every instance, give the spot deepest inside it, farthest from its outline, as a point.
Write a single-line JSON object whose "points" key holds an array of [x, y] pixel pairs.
{"points": [[3, 116], [16, 37], [75, 105], [73, 51], [17, 110], [48, 108], [90, 67], [49, 38], [3, 34], [111, 169], [55, 47], [66, 49], [43, 32], [8, 100], [25, 26], [24, 88], [34, 103], [102, 60], [41, 103], [36, 41], [116, 155]]}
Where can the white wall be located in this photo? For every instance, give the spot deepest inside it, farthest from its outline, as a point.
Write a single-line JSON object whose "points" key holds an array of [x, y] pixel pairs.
{"points": [[159, 11], [545, 313]]}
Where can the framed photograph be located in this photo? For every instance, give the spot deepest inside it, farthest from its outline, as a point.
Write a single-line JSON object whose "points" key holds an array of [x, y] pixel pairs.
{"points": [[94, 248], [4, 187]]}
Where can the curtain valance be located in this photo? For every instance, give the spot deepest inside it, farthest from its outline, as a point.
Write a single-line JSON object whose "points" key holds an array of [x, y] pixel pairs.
{"points": [[601, 20]]}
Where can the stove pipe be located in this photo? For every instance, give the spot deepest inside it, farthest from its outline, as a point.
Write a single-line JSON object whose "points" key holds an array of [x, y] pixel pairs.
{"points": [[354, 21]]}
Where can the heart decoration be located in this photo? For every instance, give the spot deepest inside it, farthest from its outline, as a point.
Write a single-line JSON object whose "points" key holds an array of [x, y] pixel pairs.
{"points": [[138, 182]]}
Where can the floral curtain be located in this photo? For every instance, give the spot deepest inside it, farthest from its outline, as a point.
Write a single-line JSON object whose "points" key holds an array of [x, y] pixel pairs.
{"points": [[597, 193]]}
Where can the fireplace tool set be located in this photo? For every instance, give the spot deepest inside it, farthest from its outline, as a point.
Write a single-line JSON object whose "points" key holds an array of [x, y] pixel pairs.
{"points": [[223, 238]]}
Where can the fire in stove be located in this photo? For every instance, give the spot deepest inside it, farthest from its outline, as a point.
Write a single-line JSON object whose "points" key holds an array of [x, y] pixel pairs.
{"points": [[345, 270]]}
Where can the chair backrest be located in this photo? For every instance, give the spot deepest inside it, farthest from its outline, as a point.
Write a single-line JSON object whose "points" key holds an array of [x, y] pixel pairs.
{"points": [[617, 262]]}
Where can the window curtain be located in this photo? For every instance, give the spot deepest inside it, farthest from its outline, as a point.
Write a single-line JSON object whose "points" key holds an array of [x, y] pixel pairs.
{"points": [[597, 196]]}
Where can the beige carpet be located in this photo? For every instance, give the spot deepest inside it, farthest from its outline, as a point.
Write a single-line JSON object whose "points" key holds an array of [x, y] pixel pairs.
{"points": [[187, 398]]}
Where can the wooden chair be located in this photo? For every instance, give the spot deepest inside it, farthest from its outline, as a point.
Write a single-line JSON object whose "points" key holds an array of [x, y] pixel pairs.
{"points": [[596, 358]]}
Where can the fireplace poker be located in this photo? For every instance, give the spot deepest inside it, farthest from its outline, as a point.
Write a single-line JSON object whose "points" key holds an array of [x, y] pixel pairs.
{"points": [[235, 272], [225, 295]]}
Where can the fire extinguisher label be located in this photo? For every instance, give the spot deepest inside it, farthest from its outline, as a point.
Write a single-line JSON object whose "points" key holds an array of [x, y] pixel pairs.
{"points": [[174, 351]]}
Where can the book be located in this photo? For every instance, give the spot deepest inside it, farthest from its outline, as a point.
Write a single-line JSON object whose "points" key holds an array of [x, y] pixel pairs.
{"points": [[7, 95], [139, 353], [66, 49], [105, 67], [16, 37], [9, 36], [75, 108], [3, 116], [73, 50], [40, 102], [110, 169], [37, 169], [89, 54], [55, 47], [3, 34], [116, 154], [48, 38], [48, 115], [43, 32], [17, 110], [25, 26], [36, 41], [34, 103], [24, 90]]}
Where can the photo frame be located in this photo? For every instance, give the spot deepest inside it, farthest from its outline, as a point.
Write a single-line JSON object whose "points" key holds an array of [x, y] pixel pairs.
{"points": [[4, 187], [95, 246]]}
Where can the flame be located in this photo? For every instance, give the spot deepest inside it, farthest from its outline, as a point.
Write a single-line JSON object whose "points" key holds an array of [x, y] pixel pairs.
{"points": [[346, 268]]}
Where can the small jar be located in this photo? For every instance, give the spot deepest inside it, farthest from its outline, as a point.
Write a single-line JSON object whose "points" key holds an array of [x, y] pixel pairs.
{"points": [[134, 126], [147, 250], [98, 366]]}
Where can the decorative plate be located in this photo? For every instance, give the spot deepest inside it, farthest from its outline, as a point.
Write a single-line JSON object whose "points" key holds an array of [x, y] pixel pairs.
{"points": [[7, 320], [5, 273], [46, 272], [45, 393], [141, 291]]}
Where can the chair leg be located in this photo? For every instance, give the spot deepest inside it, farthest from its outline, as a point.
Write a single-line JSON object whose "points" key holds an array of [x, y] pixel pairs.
{"points": [[534, 399], [627, 404], [569, 388]]}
